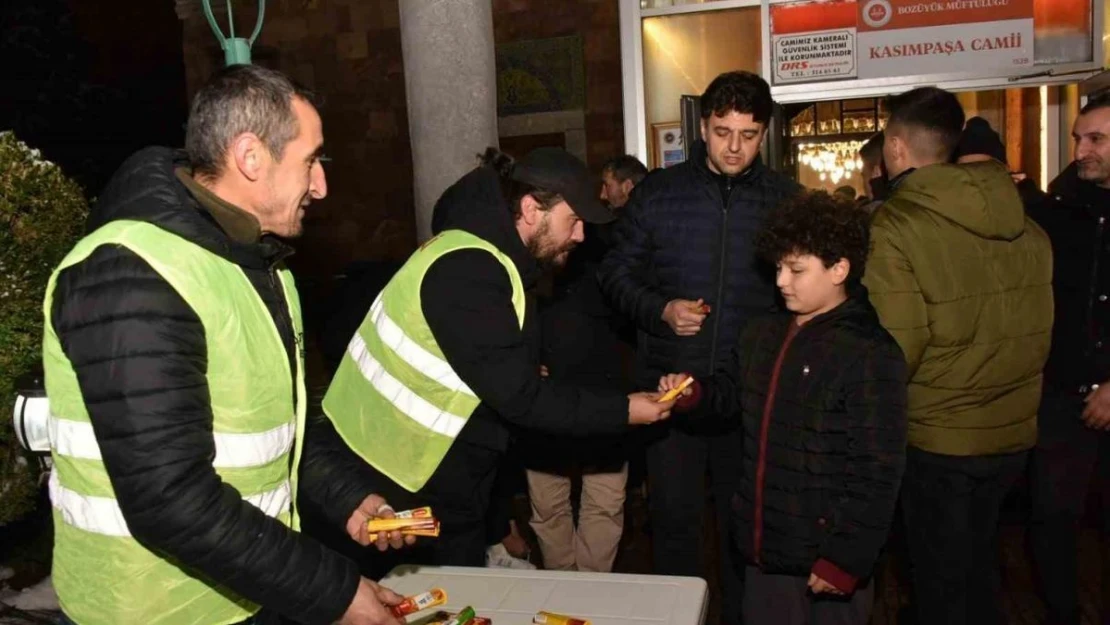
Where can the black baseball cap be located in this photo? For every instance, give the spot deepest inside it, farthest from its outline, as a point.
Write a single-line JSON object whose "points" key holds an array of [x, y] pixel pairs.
{"points": [[558, 171]]}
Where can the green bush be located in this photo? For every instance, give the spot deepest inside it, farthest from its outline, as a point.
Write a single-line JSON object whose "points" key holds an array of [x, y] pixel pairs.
{"points": [[42, 214]]}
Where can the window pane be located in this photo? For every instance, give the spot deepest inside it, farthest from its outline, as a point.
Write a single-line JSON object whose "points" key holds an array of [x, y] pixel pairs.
{"points": [[1062, 31], [684, 53]]}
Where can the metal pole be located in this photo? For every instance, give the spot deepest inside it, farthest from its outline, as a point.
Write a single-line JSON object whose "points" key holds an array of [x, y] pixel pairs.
{"points": [[237, 51]]}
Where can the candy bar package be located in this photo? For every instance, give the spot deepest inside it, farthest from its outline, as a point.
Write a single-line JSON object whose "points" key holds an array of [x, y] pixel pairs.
{"points": [[416, 522], [423, 601]]}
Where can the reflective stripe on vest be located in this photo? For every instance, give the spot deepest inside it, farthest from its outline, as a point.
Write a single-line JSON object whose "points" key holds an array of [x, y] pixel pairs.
{"points": [[394, 338], [395, 399], [402, 397], [77, 440], [101, 515], [104, 576]]}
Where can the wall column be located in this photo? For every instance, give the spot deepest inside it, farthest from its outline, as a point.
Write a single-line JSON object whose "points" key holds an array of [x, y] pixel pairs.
{"points": [[451, 85]]}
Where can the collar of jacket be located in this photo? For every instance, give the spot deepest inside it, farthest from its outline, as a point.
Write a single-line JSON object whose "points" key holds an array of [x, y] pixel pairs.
{"points": [[237, 223], [896, 181], [476, 205], [146, 188], [980, 198], [699, 158], [856, 310], [1070, 189]]}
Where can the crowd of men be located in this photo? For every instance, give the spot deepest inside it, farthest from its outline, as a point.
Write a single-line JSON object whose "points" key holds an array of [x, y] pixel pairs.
{"points": [[920, 349]]}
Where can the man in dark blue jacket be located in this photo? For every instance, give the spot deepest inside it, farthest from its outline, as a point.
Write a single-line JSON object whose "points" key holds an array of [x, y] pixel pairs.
{"points": [[684, 268]]}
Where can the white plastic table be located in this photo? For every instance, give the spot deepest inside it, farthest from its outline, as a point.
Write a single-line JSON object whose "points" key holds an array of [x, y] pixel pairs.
{"points": [[512, 597]]}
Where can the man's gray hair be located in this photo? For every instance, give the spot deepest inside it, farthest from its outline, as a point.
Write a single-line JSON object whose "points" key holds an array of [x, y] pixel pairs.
{"points": [[240, 98]]}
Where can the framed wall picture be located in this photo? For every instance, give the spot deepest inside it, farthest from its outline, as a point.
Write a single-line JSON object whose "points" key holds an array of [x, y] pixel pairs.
{"points": [[668, 147]]}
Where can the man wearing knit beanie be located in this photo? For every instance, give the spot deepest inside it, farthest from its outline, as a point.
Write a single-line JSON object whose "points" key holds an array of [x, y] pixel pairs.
{"points": [[980, 142]]}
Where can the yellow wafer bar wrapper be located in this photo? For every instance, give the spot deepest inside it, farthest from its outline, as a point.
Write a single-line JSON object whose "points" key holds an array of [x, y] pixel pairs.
{"points": [[415, 522], [676, 391], [550, 618], [389, 525], [415, 513], [431, 532]]}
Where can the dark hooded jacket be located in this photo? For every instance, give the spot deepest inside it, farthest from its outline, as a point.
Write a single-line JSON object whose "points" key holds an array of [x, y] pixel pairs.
{"points": [[823, 412], [140, 357], [467, 300], [962, 279]]}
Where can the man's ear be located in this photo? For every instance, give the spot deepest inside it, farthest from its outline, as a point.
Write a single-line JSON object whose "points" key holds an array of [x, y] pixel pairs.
{"points": [[248, 155], [840, 271], [626, 187], [899, 149], [705, 130], [530, 210]]}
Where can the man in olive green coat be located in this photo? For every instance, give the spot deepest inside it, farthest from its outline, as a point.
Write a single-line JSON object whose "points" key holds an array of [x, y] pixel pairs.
{"points": [[963, 281]]}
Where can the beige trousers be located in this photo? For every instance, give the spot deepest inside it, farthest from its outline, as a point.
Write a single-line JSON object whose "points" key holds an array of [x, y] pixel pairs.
{"points": [[593, 545]]}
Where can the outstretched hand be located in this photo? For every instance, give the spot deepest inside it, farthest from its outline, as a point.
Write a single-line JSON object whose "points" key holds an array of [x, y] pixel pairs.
{"points": [[375, 507], [645, 408]]}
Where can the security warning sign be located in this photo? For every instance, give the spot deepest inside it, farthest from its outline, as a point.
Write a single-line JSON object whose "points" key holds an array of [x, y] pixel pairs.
{"points": [[813, 41], [815, 56], [819, 40]]}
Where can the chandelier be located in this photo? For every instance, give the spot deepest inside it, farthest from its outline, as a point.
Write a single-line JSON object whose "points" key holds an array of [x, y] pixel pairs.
{"points": [[853, 124], [833, 161]]}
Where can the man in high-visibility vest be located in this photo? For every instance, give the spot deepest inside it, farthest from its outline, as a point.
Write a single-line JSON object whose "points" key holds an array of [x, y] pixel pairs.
{"points": [[447, 361], [174, 369]]}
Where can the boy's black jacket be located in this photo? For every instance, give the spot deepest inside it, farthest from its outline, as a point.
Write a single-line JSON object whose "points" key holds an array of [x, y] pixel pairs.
{"points": [[835, 440]]}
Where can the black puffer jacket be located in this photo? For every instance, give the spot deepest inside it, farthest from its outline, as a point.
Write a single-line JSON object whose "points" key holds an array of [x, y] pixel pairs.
{"points": [[584, 340], [824, 438], [466, 298], [140, 357], [1075, 215], [585, 343], [681, 237]]}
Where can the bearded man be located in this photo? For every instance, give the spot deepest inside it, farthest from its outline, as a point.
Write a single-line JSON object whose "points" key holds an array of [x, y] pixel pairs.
{"points": [[448, 359]]}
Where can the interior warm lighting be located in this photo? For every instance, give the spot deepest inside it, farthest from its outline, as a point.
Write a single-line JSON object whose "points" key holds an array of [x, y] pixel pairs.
{"points": [[834, 161], [657, 32], [1044, 137], [837, 120]]}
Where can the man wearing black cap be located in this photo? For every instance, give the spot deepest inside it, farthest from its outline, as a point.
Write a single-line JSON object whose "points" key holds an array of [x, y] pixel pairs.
{"points": [[449, 356]]}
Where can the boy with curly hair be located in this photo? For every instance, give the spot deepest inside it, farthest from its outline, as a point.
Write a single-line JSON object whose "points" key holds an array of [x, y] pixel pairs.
{"points": [[820, 392]]}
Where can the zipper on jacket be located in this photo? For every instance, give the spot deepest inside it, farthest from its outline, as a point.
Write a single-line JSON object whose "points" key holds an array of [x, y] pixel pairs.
{"points": [[1093, 285], [295, 365], [764, 427], [722, 263]]}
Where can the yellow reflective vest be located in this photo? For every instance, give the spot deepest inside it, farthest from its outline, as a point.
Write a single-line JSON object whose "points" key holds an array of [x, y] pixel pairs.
{"points": [[395, 399], [103, 576]]}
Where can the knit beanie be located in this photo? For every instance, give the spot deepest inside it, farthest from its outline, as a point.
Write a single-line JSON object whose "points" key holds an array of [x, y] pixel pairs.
{"points": [[979, 138]]}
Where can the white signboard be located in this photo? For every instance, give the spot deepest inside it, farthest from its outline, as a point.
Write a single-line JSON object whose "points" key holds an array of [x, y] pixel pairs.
{"points": [[809, 57], [949, 48]]}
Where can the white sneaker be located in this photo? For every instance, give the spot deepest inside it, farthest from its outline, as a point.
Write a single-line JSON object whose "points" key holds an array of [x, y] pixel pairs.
{"points": [[498, 557]]}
